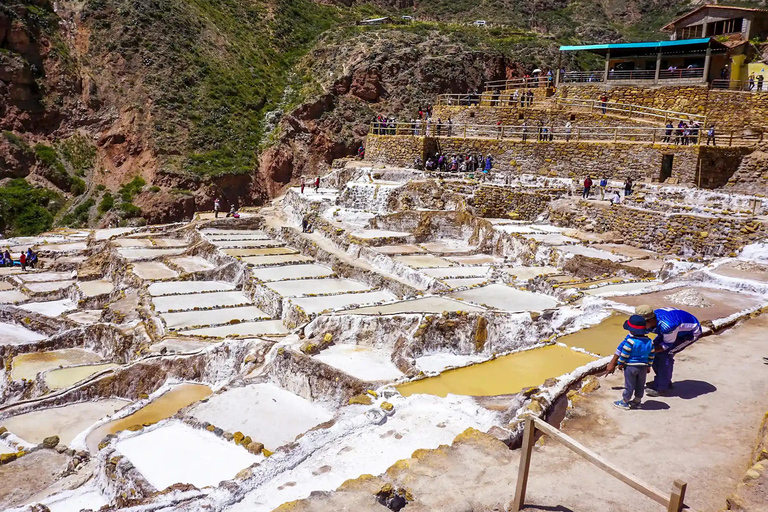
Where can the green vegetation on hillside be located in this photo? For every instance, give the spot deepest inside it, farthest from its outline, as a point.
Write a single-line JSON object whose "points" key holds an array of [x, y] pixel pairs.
{"points": [[26, 210]]}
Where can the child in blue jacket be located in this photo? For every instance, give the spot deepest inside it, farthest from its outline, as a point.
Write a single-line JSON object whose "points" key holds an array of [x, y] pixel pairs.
{"points": [[634, 356]]}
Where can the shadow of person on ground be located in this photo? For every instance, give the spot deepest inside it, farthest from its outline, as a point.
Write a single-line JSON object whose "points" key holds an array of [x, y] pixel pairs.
{"points": [[544, 508], [690, 389], [654, 405]]}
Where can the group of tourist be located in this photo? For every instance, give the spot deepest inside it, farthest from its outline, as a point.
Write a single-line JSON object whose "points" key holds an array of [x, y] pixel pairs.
{"points": [[469, 163], [316, 183], [685, 133], [755, 82], [26, 259], [602, 189], [217, 208], [637, 354]]}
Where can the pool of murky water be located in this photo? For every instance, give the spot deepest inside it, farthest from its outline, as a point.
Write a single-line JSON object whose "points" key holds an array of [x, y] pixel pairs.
{"points": [[164, 406], [27, 366], [504, 375], [601, 339], [67, 377]]}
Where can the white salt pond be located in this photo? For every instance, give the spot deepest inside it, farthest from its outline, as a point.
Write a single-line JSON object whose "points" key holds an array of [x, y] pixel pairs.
{"points": [[148, 254], [456, 272], [179, 345], [6, 448], [448, 246], [620, 288], [422, 305], [164, 456], [66, 377], [330, 302], [591, 252], [185, 287], [75, 501], [193, 263], [77, 246], [234, 235], [243, 244], [260, 261], [48, 286], [187, 319], [368, 234], [399, 249], [291, 272], [27, 366], [420, 422], [106, 234], [476, 259], [464, 281], [86, 317], [304, 287], [528, 273], [96, 287], [12, 334], [134, 242], [515, 228], [150, 270], [263, 251], [5, 286], [51, 308], [436, 363], [265, 412], [364, 363], [262, 328], [66, 422], [37, 277], [506, 298], [552, 238], [423, 261], [12, 297], [166, 303]]}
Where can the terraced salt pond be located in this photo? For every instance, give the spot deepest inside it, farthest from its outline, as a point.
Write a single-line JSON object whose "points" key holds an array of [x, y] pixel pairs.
{"points": [[291, 272], [266, 251], [12, 334], [361, 362], [193, 263], [27, 366], [96, 288], [166, 303], [261, 328], [151, 270], [305, 287], [183, 287], [506, 298], [601, 339], [147, 254], [423, 305], [12, 297], [66, 422], [423, 261], [455, 272], [501, 376], [52, 308], [66, 377], [164, 406], [320, 304], [282, 259], [48, 286], [222, 316]]}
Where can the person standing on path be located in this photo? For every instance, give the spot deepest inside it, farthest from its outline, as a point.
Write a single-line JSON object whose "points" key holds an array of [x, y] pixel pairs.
{"points": [[23, 261], [603, 185], [628, 187], [634, 356], [216, 208], [525, 131], [317, 185], [668, 133], [604, 102], [711, 135], [302, 185], [587, 187], [568, 131], [676, 330]]}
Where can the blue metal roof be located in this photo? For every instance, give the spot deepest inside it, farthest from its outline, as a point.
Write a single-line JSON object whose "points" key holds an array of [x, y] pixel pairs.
{"points": [[640, 46]]}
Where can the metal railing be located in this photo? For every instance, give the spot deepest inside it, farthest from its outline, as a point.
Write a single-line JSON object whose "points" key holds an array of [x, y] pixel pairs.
{"points": [[673, 501], [740, 85], [520, 83], [685, 74], [571, 77], [562, 134]]}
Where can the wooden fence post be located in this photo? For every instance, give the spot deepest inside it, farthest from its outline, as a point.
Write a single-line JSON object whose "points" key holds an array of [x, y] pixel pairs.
{"points": [[654, 136], [677, 498], [615, 134], [465, 131], [525, 464], [730, 140]]}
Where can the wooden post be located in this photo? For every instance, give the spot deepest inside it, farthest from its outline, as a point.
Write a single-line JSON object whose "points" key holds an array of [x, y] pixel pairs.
{"points": [[630, 112], [676, 500], [501, 133], [525, 464], [465, 131], [654, 136], [578, 134], [730, 140], [615, 134]]}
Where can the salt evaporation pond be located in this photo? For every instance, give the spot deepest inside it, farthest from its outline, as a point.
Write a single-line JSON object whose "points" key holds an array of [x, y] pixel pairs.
{"points": [[501, 376], [435, 363], [591, 252], [464, 281], [304, 287], [66, 422], [476, 259], [260, 261], [601, 339], [27, 366], [11, 334], [291, 272], [432, 304], [37, 277], [399, 249], [212, 317], [146, 254], [4, 286], [528, 273], [178, 453], [6, 448], [48, 286], [620, 288], [66, 377], [96, 288], [163, 407], [506, 298], [183, 287], [243, 244], [166, 303], [12, 297], [265, 412], [150, 270], [86, 317], [319, 304], [75, 501], [423, 261], [264, 251], [262, 328], [193, 263], [52, 308], [361, 362], [441, 273]]}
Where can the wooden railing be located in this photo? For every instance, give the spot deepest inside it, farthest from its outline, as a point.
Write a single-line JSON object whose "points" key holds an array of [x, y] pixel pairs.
{"points": [[629, 110], [520, 83], [673, 501], [561, 134]]}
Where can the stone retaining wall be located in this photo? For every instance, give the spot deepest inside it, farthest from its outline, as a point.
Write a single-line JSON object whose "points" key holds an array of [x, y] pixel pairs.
{"points": [[728, 110], [397, 150], [661, 232], [504, 202]]}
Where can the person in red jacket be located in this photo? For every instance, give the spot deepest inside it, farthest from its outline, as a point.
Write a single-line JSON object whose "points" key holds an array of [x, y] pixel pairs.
{"points": [[317, 184], [23, 261], [587, 187]]}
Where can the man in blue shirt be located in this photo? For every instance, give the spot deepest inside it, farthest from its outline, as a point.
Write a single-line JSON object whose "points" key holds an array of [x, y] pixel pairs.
{"points": [[676, 330]]}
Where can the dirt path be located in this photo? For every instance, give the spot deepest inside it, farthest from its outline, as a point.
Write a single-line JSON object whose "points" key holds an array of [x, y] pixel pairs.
{"points": [[703, 435]]}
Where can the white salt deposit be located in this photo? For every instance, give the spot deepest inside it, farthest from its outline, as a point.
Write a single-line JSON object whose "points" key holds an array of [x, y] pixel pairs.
{"points": [[260, 261], [423, 261], [75, 501], [364, 363], [178, 453], [48, 286], [6, 448], [212, 317], [476, 259], [193, 263], [233, 244], [11, 334], [316, 286], [291, 272], [191, 301], [183, 287], [378, 233], [755, 252], [148, 254], [552, 238], [105, 234], [464, 281], [77, 246], [86, 317], [265, 412], [37, 277], [506, 298], [262, 328], [689, 297], [153, 270], [528, 273], [421, 305], [319, 304], [12, 297], [436, 363], [620, 288], [51, 308], [455, 272], [399, 249], [96, 287], [591, 252]]}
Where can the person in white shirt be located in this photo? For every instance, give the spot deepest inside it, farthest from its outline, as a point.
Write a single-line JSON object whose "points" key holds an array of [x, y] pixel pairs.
{"points": [[616, 199]]}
